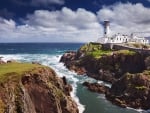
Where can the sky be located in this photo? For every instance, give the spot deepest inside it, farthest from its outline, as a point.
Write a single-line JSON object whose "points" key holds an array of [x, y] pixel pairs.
{"points": [[70, 20]]}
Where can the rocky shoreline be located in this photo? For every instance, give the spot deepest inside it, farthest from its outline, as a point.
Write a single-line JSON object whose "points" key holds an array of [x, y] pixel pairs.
{"points": [[33, 88], [128, 71]]}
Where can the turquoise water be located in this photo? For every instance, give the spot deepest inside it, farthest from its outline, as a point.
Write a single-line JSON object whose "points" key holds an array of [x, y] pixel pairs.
{"points": [[49, 54], [96, 103]]}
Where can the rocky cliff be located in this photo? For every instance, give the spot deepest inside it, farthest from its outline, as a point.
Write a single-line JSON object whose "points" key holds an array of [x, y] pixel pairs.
{"points": [[32, 88], [102, 64], [131, 90], [128, 71]]}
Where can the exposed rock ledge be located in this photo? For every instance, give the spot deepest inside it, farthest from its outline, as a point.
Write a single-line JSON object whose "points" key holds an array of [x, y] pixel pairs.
{"points": [[35, 90]]}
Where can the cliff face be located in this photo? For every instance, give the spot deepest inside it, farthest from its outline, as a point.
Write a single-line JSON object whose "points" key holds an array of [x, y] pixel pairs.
{"points": [[102, 64], [36, 91], [132, 90]]}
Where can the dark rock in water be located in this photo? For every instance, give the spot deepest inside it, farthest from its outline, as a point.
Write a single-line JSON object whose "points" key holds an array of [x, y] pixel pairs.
{"points": [[12, 61], [68, 56], [132, 90], [36, 63], [69, 59], [67, 87], [64, 80], [95, 87]]}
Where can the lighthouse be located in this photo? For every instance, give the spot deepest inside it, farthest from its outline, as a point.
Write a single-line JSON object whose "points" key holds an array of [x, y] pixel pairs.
{"points": [[119, 38], [106, 28]]}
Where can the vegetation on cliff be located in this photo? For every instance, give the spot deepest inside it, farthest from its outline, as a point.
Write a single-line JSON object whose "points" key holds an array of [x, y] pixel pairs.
{"points": [[9, 69], [125, 52], [96, 50], [33, 88]]}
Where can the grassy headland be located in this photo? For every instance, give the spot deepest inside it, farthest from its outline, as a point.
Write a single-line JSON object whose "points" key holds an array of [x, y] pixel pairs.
{"points": [[10, 70], [97, 51]]}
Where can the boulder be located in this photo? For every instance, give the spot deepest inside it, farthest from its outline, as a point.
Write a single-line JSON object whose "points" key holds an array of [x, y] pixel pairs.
{"points": [[12, 61], [95, 87]]}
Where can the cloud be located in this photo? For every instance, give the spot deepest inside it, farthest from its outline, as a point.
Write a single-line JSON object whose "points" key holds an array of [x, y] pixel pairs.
{"points": [[81, 19], [126, 18], [53, 26], [46, 2], [66, 25]]}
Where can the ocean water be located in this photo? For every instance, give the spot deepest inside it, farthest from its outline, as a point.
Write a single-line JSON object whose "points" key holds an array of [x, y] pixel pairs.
{"points": [[49, 54]]}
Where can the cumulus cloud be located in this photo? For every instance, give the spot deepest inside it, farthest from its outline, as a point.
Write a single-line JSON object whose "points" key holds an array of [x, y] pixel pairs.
{"points": [[63, 25], [61, 20], [126, 18], [66, 25]]}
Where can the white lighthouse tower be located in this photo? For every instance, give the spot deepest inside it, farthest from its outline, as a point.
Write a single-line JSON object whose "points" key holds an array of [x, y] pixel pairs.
{"points": [[106, 29], [106, 37]]}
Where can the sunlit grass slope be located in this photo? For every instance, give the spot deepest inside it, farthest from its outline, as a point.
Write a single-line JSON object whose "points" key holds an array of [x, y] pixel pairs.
{"points": [[10, 70]]}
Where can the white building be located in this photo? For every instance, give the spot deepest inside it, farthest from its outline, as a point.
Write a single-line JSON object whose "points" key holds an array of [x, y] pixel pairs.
{"points": [[120, 38]]}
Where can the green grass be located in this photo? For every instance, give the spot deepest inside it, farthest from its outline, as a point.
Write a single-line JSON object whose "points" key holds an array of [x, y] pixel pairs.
{"points": [[15, 69], [141, 87], [99, 53], [91, 47], [94, 49], [125, 52]]}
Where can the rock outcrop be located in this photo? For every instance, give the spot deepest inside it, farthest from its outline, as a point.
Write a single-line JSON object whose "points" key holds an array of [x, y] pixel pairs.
{"points": [[103, 64], [37, 90], [131, 90], [95, 87]]}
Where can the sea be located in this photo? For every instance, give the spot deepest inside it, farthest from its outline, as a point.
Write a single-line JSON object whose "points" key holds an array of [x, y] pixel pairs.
{"points": [[49, 54]]}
